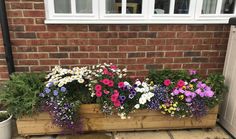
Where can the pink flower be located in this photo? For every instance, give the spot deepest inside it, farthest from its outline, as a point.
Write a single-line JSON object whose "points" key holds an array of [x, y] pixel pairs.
{"points": [[188, 93], [114, 97], [111, 84], [98, 87], [106, 92], [121, 84], [180, 83], [192, 72], [176, 92], [106, 81], [188, 99], [105, 71], [98, 93], [117, 103], [114, 67], [167, 82], [116, 92], [209, 93]]}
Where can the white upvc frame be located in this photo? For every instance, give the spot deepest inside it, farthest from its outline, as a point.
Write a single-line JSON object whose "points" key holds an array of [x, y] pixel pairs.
{"points": [[218, 16], [99, 15]]}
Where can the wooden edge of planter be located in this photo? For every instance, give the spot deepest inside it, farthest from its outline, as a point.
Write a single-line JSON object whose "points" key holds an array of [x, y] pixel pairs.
{"points": [[94, 120]]}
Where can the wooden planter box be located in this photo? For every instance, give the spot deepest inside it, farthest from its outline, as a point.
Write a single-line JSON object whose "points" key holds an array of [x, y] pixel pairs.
{"points": [[94, 120]]}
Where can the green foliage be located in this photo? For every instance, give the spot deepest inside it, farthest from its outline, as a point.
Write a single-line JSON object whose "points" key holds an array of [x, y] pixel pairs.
{"points": [[159, 76], [216, 81], [4, 116], [20, 94]]}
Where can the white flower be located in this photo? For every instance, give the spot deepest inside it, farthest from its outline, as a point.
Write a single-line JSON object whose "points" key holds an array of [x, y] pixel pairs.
{"points": [[137, 106], [138, 83], [142, 100], [126, 83], [185, 83]]}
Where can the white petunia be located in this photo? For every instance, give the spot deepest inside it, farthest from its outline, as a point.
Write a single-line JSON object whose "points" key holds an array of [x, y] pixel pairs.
{"points": [[137, 106]]}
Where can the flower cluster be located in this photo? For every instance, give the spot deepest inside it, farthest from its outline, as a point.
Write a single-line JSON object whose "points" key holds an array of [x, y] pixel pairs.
{"points": [[106, 84]]}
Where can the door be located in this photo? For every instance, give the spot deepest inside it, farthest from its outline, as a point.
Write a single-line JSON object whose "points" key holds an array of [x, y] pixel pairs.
{"points": [[228, 108]]}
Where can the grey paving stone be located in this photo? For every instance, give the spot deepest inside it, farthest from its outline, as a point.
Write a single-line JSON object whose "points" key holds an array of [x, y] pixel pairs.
{"points": [[143, 135], [215, 133]]}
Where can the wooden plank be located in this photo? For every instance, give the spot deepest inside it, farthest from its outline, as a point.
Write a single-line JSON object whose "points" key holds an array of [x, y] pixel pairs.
{"points": [[94, 120]]}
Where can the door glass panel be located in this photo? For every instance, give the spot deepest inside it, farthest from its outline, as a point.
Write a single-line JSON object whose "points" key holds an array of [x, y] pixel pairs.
{"points": [[113, 6], [162, 7], [228, 6], [134, 7], [62, 6], [182, 6], [84, 6], [209, 6]]}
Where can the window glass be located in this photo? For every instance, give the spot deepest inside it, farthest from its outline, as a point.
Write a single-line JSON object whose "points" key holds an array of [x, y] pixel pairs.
{"points": [[84, 6], [134, 7], [162, 7], [113, 6], [227, 6], [181, 6], [62, 6], [209, 6]]}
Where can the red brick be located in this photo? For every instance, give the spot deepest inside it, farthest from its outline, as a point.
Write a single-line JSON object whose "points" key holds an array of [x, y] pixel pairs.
{"points": [[210, 53], [26, 35], [68, 48], [172, 66], [98, 55], [135, 67], [38, 56], [114, 61], [136, 42], [173, 54], [23, 21], [136, 55], [145, 60], [98, 28], [154, 66], [196, 27], [127, 48], [203, 35], [221, 34], [39, 20], [47, 49], [118, 42], [67, 35], [34, 13], [127, 61], [28, 62], [26, 49], [166, 35], [138, 28], [56, 28], [98, 42], [78, 42], [217, 59], [200, 59], [79, 55], [88, 48], [46, 35], [155, 54], [158, 27], [20, 56], [147, 34], [14, 14], [182, 60], [118, 27], [208, 65], [108, 35], [191, 66], [17, 5], [202, 47], [164, 60], [18, 42], [215, 28], [69, 61], [78, 28], [36, 42], [146, 48], [211, 41], [117, 55], [183, 47], [89, 61], [176, 27], [185, 34], [39, 68], [164, 47], [156, 42], [49, 62], [88, 35], [58, 55], [128, 35], [35, 28], [108, 48], [38, 6]]}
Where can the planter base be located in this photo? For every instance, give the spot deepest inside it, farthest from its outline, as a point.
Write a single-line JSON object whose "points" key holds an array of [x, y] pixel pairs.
{"points": [[94, 120]]}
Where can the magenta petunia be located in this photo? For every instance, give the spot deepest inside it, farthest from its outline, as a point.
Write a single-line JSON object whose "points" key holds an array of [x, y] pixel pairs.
{"points": [[176, 92], [192, 72], [106, 81], [114, 67], [117, 103], [209, 93], [121, 84], [105, 71], [106, 92], [188, 99], [111, 83], [114, 97], [180, 83], [167, 82], [98, 87], [98, 93]]}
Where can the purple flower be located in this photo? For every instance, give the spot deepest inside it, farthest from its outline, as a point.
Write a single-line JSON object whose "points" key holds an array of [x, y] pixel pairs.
{"points": [[209, 93], [194, 80], [207, 88], [193, 95], [41, 95], [50, 84], [47, 90], [192, 72], [176, 92], [188, 99], [55, 93], [188, 93], [133, 93], [63, 89], [131, 96], [181, 91], [122, 98]]}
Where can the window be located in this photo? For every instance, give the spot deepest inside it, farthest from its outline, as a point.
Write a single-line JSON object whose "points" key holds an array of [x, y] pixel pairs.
{"points": [[139, 11]]}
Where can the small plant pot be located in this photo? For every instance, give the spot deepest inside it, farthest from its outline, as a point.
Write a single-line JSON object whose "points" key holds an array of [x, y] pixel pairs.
{"points": [[5, 127]]}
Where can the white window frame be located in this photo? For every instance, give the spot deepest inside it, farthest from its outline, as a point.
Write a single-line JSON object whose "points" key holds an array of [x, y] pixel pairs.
{"points": [[99, 15]]}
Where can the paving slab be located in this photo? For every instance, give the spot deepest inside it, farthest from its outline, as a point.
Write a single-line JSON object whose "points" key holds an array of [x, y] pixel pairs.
{"points": [[215, 133], [142, 135], [88, 136]]}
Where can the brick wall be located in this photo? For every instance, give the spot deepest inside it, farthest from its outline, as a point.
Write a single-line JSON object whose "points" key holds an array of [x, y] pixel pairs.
{"points": [[38, 47], [3, 66]]}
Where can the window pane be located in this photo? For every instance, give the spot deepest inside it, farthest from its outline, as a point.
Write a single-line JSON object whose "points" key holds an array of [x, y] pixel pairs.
{"points": [[209, 6], [181, 6], [162, 6], [84, 6], [113, 6], [134, 7], [62, 6], [228, 6]]}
